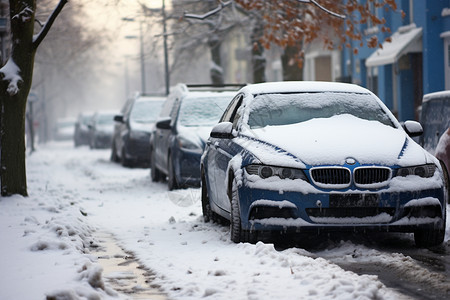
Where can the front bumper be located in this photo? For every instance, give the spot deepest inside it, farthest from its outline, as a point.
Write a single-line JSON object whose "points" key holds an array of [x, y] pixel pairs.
{"points": [[353, 210]]}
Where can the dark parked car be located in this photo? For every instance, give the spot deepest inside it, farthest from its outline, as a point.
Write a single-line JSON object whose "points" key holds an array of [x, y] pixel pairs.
{"points": [[101, 129], [131, 140], [296, 157], [81, 136], [180, 134]]}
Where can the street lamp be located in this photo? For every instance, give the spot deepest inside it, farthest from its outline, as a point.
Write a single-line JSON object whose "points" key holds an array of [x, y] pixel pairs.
{"points": [[141, 44], [166, 54]]}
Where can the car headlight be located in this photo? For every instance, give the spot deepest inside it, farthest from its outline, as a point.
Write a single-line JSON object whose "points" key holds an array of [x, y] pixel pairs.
{"points": [[264, 171], [422, 171], [189, 145]]}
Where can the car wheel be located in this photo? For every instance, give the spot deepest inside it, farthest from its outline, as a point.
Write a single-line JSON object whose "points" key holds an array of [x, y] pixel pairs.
{"points": [[206, 206], [237, 233], [155, 174], [425, 238], [114, 157], [124, 160], [171, 181]]}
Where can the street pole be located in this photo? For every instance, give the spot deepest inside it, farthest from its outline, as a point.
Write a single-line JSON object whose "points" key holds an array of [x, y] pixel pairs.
{"points": [[143, 87], [166, 55]]}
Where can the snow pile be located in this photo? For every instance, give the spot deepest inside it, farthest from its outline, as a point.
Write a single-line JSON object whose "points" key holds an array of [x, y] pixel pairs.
{"points": [[46, 246]]}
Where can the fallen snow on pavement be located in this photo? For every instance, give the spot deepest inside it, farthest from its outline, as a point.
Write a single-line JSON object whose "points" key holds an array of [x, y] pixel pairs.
{"points": [[47, 240]]}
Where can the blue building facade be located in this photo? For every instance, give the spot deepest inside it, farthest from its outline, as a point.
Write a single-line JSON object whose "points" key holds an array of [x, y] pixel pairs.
{"points": [[414, 63]]}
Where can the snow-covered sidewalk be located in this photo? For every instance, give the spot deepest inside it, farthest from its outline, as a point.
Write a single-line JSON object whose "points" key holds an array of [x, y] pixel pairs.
{"points": [[47, 240]]}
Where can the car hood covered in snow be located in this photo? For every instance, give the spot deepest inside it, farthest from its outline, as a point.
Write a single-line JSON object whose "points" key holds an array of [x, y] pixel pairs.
{"points": [[332, 140]]}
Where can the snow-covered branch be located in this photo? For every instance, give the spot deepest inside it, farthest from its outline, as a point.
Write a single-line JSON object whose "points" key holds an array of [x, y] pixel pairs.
{"points": [[39, 37], [24, 15], [221, 6], [322, 8]]}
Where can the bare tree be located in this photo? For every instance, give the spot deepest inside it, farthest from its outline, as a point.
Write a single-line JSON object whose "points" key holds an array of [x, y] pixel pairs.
{"points": [[15, 83], [64, 64], [293, 24]]}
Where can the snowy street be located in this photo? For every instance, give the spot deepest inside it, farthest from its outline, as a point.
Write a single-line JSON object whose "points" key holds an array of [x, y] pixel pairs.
{"points": [[48, 243]]}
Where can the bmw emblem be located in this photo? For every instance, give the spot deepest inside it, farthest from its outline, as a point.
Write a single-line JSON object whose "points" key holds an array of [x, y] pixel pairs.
{"points": [[350, 160]]}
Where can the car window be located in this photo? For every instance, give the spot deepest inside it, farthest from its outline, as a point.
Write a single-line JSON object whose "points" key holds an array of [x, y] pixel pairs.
{"points": [[167, 107], [105, 119], [145, 111], [231, 109], [435, 120], [202, 111], [283, 109]]}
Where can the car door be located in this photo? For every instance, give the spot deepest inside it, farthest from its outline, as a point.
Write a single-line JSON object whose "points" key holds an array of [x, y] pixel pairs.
{"points": [[222, 151], [163, 136]]}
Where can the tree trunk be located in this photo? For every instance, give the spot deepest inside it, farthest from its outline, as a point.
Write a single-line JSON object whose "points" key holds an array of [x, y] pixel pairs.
{"points": [[216, 71], [13, 172], [289, 59], [14, 93], [258, 59]]}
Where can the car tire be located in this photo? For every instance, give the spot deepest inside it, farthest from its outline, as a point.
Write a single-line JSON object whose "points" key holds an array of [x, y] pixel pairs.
{"points": [[206, 206], [171, 180], [155, 174], [237, 234], [114, 157], [425, 238]]}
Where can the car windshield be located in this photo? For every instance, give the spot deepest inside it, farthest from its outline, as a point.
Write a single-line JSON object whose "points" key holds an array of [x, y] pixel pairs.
{"points": [[105, 119], [145, 111], [284, 109], [202, 111]]}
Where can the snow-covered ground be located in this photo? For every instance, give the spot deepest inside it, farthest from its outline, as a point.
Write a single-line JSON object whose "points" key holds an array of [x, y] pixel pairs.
{"points": [[47, 240]]}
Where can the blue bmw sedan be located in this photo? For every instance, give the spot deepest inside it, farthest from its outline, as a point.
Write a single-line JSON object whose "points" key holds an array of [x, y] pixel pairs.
{"points": [[295, 157]]}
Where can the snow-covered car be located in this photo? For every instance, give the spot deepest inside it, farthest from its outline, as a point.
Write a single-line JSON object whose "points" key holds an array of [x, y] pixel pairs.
{"points": [[435, 118], [81, 136], [64, 129], [295, 157], [182, 129], [131, 138], [101, 129]]}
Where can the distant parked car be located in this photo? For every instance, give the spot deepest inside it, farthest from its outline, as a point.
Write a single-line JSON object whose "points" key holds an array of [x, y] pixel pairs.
{"points": [[81, 136], [435, 119], [101, 129], [180, 134], [64, 129], [296, 157], [131, 139]]}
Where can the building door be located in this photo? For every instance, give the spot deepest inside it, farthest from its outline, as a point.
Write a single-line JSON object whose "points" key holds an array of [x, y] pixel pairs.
{"points": [[323, 68]]}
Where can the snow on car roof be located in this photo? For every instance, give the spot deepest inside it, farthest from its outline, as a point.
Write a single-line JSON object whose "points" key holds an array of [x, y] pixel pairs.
{"points": [[435, 95], [302, 86], [151, 98]]}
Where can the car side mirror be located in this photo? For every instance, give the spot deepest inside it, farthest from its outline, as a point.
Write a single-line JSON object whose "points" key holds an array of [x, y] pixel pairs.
{"points": [[222, 130], [413, 128], [164, 123], [118, 118]]}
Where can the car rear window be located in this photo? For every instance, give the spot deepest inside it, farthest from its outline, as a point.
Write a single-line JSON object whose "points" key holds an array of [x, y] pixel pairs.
{"points": [[202, 111], [145, 111]]}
